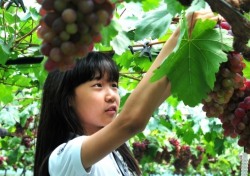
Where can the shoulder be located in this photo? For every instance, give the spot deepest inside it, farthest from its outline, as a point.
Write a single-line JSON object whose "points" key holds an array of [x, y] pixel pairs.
{"points": [[65, 160], [68, 148], [67, 157]]}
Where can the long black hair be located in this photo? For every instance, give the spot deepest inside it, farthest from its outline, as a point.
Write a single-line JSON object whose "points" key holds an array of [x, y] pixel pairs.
{"points": [[58, 119]]}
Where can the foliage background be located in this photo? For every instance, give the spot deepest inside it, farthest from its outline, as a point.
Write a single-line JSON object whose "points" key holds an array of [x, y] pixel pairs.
{"points": [[134, 24]]}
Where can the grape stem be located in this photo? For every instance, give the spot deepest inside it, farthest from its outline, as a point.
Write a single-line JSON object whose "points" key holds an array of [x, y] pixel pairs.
{"points": [[240, 25], [26, 35], [130, 77], [149, 44]]}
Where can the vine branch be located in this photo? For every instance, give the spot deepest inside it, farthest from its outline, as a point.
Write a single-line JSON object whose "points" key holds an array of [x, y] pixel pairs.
{"points": [[240, 25], [130, 77], [232, 11], [26, 35]]}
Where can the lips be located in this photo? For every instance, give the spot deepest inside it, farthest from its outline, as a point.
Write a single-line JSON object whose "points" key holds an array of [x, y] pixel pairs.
{"points": [[111, 108], [111, 111]]}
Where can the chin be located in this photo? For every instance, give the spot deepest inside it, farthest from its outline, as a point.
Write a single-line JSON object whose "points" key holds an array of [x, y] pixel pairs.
{"points": [[108, 122]]}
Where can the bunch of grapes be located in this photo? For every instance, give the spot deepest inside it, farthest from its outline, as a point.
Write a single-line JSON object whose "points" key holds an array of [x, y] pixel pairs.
{"points": [[69, 29], [180, 156], [196, 159], [140, 148], [240, 120], [230, 98], [176, 145], [2, 160], [232, 120], [163, 155], [26, 141], [228, 80], [182, 161]]}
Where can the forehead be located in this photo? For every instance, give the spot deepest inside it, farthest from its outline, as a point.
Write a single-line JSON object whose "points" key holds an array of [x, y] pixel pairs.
{"points": [[106, 74]]}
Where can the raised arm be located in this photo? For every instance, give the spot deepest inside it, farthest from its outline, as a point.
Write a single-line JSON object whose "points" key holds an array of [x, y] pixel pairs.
{"points": [[138, 108]]}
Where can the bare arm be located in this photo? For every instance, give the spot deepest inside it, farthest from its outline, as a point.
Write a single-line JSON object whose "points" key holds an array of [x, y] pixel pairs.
{"points": [[137, 110]]}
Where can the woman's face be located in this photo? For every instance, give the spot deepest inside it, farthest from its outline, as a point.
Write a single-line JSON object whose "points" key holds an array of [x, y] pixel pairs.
{"points": [[96, 103]]}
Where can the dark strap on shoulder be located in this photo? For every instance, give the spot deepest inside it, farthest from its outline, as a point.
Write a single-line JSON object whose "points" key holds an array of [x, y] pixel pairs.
{"points": [[121, 164]]}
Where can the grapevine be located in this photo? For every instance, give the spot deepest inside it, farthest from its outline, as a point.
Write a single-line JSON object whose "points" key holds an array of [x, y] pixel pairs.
{"points": [[69, 29], [180, 156], [228, 80], [230, 98], [233, 11]]}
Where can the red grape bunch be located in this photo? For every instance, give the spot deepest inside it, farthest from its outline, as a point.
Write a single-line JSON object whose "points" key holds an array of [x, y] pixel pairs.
{"points": [[140, 149], [26, 141], [69, 29], [163, 156], [230, 98], [2, 160], [181, 162], [175, 154], [176, 146], [232, 116], [228, 80], [197, 158], [241, 119]]}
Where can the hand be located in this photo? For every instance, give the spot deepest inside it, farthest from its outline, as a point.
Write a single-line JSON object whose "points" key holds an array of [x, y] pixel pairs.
{"points": [[203, 14]]}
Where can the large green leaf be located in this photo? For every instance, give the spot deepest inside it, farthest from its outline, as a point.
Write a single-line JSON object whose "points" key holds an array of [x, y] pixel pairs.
{"points": [[191, 69], [154, 24]]}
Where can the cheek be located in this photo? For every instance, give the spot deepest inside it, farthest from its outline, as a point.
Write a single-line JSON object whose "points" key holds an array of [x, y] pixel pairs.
{"points": [[85, 104], [88, 106], [118, 100], [84, 113], [80, 106]]}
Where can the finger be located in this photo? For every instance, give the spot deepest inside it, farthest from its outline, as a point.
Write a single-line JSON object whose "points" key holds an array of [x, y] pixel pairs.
{"points": [[206, 15], [203, 15]]}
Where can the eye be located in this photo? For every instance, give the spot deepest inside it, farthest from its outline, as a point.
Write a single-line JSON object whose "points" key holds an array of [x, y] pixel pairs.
{"points": [[97, 85], [115, 85]]}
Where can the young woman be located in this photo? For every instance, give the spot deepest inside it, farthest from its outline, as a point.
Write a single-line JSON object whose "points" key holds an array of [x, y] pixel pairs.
{"points": [[80, 132]]}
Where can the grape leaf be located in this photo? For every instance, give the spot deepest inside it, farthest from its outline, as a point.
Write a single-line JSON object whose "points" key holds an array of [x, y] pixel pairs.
{"points": [[219, 145], [109, 32], [150, 4], [6, 94], [191, 69], [173, 7], [124, 60], [246, 70], [186, 130], [120, 43], [4, 52], [154, 24], [196, 5]]}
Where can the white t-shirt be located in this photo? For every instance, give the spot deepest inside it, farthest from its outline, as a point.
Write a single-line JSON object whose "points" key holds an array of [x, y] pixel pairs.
{"points": [[65, 160]]}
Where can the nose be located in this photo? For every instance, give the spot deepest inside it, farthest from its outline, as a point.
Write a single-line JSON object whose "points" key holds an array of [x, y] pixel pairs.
{"points": [[110, 95]]}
